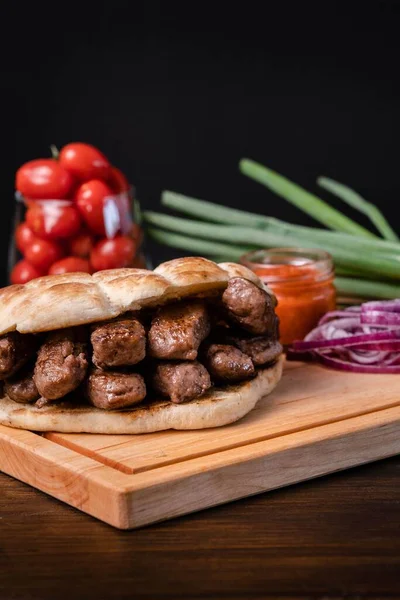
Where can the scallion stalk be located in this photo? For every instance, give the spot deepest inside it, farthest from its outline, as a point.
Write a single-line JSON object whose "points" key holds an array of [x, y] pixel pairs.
{"points": [[355, 200], [377, 264], [199, 246], [208, 211], [363, 288], [309, 203]]}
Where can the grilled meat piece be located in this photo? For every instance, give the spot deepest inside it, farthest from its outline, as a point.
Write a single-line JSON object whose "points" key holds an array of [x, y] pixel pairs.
{"points": [[61, 364], [181, 381], [177, 331], [110, 390], [21, 387], [261, 350], [227, 363], [118, 344], [250, 307], [15, 350]]}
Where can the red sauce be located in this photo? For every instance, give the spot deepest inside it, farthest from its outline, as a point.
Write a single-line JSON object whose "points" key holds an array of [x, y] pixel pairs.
{"points": [[302, 281]]}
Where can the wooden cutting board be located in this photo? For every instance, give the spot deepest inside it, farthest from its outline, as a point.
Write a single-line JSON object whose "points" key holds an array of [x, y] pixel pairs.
{"points": [[317, 421]]}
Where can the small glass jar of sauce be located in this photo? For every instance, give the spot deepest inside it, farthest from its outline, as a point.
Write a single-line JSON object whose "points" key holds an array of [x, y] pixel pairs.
{"points": [[302, 281]]}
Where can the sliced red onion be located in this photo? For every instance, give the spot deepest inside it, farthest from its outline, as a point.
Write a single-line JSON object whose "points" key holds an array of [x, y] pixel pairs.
{"points": [[363, 339], [336, 314], [343, 365], [367, 358], [388, 305], [349, 340], [384, 346], [380, 317]]}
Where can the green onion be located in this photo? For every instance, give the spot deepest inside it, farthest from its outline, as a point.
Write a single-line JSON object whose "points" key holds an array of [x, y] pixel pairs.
{"points": [[228, 216], [354, 199], [362, 288], [198, 246], [377, 264], [346, 272], [333, 238], [309, 203], [208, 211]]}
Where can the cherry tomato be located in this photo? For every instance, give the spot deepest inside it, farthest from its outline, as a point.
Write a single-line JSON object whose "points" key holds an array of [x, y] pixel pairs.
{"points": [[24, 236], [24, 272], [117, 181], [53, 221], [84, 161], [44, 179], [90, 202], [113, 254], [43, 253], [71, 264], [81, 245]]}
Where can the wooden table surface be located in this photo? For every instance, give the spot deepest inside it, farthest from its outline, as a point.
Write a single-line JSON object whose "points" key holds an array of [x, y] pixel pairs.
{"points": [[334, 537]]}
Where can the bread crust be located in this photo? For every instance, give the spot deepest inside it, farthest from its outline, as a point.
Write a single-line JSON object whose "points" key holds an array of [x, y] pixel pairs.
{"points": [[59, 301]]}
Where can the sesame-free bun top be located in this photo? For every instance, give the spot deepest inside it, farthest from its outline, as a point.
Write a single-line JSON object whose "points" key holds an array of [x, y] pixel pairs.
{"points": [[58, 301]]}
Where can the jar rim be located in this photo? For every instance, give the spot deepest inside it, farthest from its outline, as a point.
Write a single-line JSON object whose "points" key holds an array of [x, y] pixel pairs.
{"points": [[308, 264]]}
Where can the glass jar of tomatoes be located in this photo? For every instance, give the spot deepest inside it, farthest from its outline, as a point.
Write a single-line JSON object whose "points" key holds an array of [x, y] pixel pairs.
{"points": [[302, 281], [75, 212]]}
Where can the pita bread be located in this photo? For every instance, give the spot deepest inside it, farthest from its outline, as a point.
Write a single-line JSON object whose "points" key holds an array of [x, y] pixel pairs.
{"points": [[218, 407], [59, 301], [71, 299]]}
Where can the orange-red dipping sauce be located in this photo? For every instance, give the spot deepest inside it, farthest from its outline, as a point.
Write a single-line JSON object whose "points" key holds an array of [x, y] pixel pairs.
{"points": [[302, 281]]}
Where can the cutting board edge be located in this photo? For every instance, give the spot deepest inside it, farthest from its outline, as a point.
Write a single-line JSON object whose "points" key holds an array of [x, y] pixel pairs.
{"points": [[372, 447], [131, 501], [68, 476]]}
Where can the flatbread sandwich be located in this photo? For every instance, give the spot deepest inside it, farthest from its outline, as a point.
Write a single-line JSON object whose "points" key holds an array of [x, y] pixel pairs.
{"points": [[190, 345]]}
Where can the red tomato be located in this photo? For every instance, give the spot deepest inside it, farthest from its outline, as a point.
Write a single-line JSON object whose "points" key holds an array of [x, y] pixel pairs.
{"points": [[84, 161], [24, 272], [53, 221], [117, 181], [43, 253], [71, 264], [90, 201], [44, 179], [113, 254], [81, 245], [24, 236]]}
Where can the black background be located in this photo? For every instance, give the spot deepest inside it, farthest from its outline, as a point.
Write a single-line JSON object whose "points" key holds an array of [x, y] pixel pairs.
{"points": [[176, 93]]}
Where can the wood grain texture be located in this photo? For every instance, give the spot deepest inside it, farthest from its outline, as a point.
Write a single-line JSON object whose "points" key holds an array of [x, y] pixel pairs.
{"points": [[307, 396], [334, 537], [318, 421]]}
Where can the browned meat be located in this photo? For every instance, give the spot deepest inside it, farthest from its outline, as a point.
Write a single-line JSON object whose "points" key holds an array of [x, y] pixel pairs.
{"points": [[61, 364], [21, 387], [177, 331], [15, 350], [118, 344], [227, 363], [182, 381], [250, 307], [115, 389], [261, 350]]}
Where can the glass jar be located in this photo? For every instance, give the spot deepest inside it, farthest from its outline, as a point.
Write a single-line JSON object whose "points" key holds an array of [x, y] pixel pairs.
{"points": [[60, 223], [302, 281]]}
